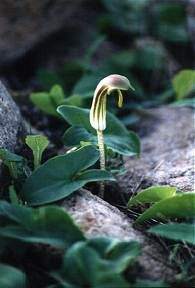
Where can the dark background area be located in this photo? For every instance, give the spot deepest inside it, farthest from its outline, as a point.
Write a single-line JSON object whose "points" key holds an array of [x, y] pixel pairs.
{"points": [[147, 41]]}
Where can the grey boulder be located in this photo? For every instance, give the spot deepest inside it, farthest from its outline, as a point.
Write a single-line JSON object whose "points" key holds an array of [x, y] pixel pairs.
{"points": [[23, 24], [97, 218], [167, 156], [10, 120]]}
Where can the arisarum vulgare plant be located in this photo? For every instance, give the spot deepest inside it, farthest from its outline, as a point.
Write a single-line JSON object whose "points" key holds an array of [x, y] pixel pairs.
{"points": [[105, 87]]}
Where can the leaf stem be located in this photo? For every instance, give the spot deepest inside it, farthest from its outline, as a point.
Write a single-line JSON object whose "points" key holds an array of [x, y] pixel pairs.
{"points": [[100, 138]]}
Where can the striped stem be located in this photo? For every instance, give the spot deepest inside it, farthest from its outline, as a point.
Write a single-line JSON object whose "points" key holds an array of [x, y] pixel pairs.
{"points": [[100, 137]]}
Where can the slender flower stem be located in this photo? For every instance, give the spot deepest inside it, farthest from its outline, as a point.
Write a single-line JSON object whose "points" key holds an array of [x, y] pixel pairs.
{"points": [[97, 115], [100, 137]]}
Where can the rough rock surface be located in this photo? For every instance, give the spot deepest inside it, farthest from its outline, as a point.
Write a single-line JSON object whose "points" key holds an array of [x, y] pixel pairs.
{"points": [[98, 218], [167, 156], [10, 120], [24, 23]]}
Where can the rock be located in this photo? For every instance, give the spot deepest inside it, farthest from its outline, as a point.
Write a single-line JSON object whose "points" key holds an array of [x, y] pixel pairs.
{"points": [[25, 23], [10, 120], [167, 152], [98, 218]]}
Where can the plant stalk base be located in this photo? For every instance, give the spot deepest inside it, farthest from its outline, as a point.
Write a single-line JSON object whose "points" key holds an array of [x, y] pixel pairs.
{"points": [[100, 137]]}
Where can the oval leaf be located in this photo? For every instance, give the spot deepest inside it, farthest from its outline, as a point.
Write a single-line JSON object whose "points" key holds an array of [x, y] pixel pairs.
{"points": [[47, 225], [48, 101], [116, 136], [152, 194], [184, 83], [178, 206], [175, 231], [10, 277], [60, 176]]}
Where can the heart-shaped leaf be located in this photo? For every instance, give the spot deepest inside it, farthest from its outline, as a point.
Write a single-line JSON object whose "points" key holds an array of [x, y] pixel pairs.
{"points": [[47, 225], [62, 175], [178, 206], [152, 194], [175, 231], [116, 136]]}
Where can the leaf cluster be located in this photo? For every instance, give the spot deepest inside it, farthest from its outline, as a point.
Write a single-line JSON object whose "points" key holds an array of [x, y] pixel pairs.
{"points": [[167, 203]]}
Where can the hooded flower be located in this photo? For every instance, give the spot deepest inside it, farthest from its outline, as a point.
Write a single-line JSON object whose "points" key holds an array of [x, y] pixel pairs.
{"points": [[107, 85]]}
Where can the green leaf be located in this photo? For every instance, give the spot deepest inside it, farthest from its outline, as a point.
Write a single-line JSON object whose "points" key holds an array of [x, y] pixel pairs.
{"points": [[49, 101], [93, 270], [127, 15], [116, 136], [94, 175], [172, 13], [87, 83], [178, 206], [15, 163], [49, 78], [173, 33], [47, 225], [152, 194], [7, 156], [184, 83], [77, 100], [76, 116], [43, 102], [38, 144], [57, 94], [14, 213], [150, 57], [119, 63], [120, 253], [10, 277], [175, 231], [13, 195], [62, 175], [76, 134], [171, 22]]}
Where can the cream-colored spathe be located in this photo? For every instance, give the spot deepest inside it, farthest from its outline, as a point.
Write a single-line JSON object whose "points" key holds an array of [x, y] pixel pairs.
{"points": [[110, 83], [107, 85]]}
